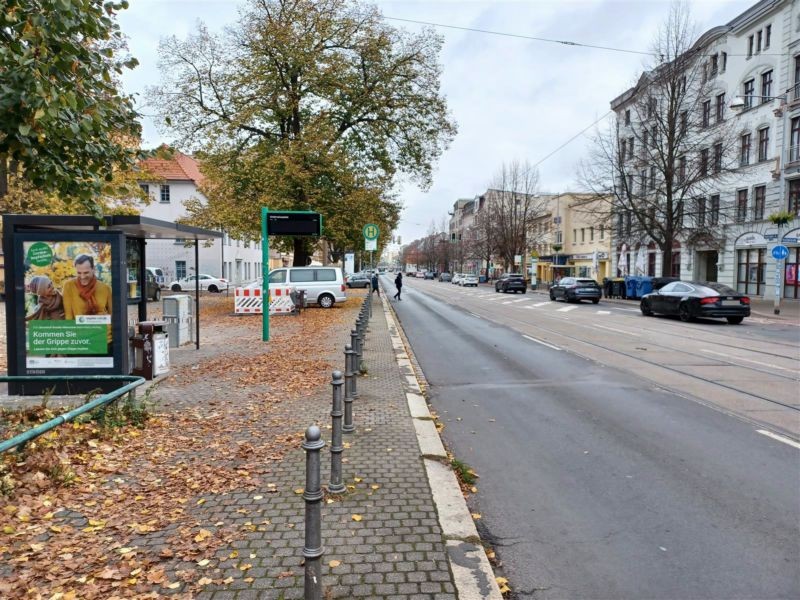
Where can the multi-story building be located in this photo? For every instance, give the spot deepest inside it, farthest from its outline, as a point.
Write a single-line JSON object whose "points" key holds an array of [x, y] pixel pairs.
{"points": [[744, 135], [178, 179]]}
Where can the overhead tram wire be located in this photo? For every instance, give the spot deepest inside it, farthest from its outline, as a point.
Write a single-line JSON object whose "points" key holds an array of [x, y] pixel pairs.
{"points": [[549, 40], [572, 139]]}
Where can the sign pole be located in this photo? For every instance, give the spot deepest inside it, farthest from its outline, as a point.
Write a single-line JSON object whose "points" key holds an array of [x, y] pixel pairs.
{"points": [[264, 276]]}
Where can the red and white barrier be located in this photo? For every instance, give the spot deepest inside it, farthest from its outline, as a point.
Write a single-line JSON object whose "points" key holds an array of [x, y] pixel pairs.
{"points": [[247, 301]]}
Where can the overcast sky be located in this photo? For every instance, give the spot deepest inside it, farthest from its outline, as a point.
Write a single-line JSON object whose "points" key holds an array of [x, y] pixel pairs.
{"points": [[512, 98]]}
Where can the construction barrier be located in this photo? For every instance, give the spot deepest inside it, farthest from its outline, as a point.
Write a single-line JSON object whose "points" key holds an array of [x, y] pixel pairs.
{"points": [[250, 301]]}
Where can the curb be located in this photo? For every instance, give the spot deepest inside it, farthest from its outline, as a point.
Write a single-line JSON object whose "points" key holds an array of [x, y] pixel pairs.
{"points": [[472, 574]]}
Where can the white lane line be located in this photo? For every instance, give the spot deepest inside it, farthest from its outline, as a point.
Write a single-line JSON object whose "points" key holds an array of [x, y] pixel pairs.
{"points": [[476, 316], [509, 302], [603, 312], [531, 307], [755, 362], [779, 438], [618, 330], [542, 304], [628, 309], [567, 308], [521, 300], [527, 337]]}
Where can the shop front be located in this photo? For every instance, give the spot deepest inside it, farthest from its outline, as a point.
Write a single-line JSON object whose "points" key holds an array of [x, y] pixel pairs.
{"points": [[751, 264], [791, 269]]}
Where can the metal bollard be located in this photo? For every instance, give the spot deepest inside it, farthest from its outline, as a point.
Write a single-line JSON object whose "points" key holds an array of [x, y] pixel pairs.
{"points": [[312, 551], [360, 345], [336, 486], [349, 387]]}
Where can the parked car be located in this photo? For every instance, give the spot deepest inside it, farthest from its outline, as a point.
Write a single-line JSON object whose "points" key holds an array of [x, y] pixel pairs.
{"points": [[445, 276], [469, 280], [323, 286], [358, 280], [456, 278], [575, 289], [692, 299], [428, 275], [207, 282], [152, 288], [511, 282], [158, 276]]}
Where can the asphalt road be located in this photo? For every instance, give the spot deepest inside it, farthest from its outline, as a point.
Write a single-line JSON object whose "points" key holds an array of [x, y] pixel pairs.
{"points": [[597, 478]]}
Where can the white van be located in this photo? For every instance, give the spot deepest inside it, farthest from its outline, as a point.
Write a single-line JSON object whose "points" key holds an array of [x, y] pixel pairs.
{"points": [[324, 286]]}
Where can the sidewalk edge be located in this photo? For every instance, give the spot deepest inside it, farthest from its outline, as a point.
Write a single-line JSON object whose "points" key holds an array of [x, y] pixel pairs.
{"points": [[472, 574]]}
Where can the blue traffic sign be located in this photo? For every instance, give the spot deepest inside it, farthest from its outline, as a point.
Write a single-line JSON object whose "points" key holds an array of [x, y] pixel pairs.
{"points": [[780, 252]]}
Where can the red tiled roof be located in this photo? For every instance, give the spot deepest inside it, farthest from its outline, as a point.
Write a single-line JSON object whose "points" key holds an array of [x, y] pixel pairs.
{"points": [[178, 168]]}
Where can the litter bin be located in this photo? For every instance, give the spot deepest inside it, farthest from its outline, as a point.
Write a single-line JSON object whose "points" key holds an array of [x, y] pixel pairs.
{"points": [[150, 350], [631, 284], [645, 286], [618, 288]]}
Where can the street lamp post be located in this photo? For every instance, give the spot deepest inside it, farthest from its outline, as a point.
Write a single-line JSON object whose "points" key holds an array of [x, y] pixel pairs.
{"points": [[738, 104]]}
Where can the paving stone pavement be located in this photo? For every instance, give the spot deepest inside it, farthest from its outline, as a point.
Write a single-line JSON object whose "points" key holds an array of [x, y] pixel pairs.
{"points": [[396, 551]]}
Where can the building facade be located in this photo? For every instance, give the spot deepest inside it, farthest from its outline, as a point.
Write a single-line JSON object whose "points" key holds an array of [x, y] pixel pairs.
{"points": [[178, 179], [750, 95]]}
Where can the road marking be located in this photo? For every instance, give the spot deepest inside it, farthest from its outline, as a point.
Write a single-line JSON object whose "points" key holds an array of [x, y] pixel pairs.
{"points": [[755, 362], [527, 337], [476, 316], [618, 330], [541, 303], [779, 438], [628, 309], [521, 300], [509, 302], [603, 312], [532, 307], [567, 308]]}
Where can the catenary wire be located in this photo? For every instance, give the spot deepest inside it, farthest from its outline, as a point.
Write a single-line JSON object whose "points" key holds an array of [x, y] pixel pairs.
{"points": [[573, 138]]}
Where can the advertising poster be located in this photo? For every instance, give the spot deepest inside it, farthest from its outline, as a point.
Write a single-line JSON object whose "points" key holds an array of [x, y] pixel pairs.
{"points": [[791, 274], [68, 304]]}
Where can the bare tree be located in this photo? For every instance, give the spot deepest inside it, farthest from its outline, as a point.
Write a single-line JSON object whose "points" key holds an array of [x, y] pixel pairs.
{"points": [[514, 205], [658, 163], [484, 233]]}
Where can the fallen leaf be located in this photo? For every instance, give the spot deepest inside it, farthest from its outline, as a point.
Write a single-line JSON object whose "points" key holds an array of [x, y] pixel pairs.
{"points": [[375, 486], [334, 563], [476, 516], [357, 479], [204, 581], [257, 497], [203, 563], [299, 491], [203, 535], [245, 567], [174, 586], [357, 517]]}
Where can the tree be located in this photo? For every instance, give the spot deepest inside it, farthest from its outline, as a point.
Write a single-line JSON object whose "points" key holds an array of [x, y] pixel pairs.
{"points": [[64, 124], [306, 104], [484, 233], [514, 205], [667, 149]]}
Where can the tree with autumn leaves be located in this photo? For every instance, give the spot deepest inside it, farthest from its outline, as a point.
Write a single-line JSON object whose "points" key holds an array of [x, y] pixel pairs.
{"points": [[306, 105], [67, 134]]}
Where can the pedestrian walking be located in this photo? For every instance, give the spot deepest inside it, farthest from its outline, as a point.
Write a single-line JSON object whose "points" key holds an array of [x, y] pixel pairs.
{"points": [[375, 286], [398, 283]]}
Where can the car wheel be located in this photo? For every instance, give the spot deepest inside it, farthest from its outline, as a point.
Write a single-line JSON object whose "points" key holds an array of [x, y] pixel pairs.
{"points": [[213, 289], [552, 296], [157, 295], [684, 313], [645, 308], [595, 300], [176, 288], [325, 300], [735, 320]]}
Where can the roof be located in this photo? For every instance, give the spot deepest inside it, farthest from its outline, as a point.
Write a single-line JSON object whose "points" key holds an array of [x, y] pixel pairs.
{"points": [[179, 167]]}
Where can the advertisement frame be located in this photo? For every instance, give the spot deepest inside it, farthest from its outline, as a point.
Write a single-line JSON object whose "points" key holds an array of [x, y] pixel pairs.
{"points": [[17, 356]]}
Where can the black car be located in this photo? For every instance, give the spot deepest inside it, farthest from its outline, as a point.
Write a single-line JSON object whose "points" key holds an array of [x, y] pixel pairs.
{"points": [[575, 289], [511, 282], [153, 289], [692, 299]]}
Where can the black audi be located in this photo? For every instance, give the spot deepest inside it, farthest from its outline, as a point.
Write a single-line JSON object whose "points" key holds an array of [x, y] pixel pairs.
{"points": [[575, 289], [692, 299]]}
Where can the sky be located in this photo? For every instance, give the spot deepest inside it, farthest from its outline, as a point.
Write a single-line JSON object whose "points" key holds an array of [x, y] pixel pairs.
{"points": [[513, 98]]}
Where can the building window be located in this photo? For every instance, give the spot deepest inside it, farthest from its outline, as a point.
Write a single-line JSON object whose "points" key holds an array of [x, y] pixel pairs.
{"points": [[684, 122], [724, 61], [701, 212], [797, 77], [583, 234], [744, 154], [652, 105], [713, 215], [644, 139], [759, 198], [763, 143], [603, 228], [682, 169], [620, 225], [559, 237], [749, 93], [651, 264], [749, 46], [704, 162], [652, 178], [628, 223], [720, 108], [623, 150], [630, 147], [794, 196], [627, 117], [591, 234], [759, 37], [767, 36], [794, 140], [180, 269], [145, 188], [741, 206], [654, 136], [574, 235], [165, 194], [766, 87], [717, 158], [706, 118], [714, 64], [643, 181], [676, 264], [791, 285], [750, 271]]}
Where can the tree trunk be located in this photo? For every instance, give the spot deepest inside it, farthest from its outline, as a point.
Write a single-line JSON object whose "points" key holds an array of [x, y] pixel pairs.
{"points": [[3, 176], [301, 255], [666, 261]]}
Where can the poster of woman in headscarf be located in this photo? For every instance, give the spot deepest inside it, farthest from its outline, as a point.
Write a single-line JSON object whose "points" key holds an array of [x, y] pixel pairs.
{"points": [[68, 300]]}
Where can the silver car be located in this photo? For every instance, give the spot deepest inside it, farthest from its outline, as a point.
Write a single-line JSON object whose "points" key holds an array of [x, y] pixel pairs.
{"points": [[323, 286]]}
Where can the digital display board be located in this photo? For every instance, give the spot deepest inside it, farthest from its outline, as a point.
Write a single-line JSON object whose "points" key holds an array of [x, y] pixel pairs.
{"points": [[294, 223]]}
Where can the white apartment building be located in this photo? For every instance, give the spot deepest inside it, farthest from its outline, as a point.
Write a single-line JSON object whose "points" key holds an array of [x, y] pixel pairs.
{"points": [[752, 86], [179, 177]]}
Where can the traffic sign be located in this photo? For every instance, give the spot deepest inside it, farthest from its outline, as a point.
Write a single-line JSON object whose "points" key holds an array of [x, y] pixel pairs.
{"points": [[780, 252], [371, 232], [370, 244]]}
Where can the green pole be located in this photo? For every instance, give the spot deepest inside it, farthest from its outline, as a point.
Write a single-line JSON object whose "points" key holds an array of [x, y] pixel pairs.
{"points": [[264, 275]]}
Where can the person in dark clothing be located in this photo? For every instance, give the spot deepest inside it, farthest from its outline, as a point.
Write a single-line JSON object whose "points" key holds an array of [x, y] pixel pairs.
{"points": [[398, 283], [375, 287]]}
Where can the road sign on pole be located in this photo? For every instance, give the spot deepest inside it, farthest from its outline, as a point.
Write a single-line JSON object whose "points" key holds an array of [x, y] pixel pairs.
{"points": [[780, 252], [371, 231]]}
